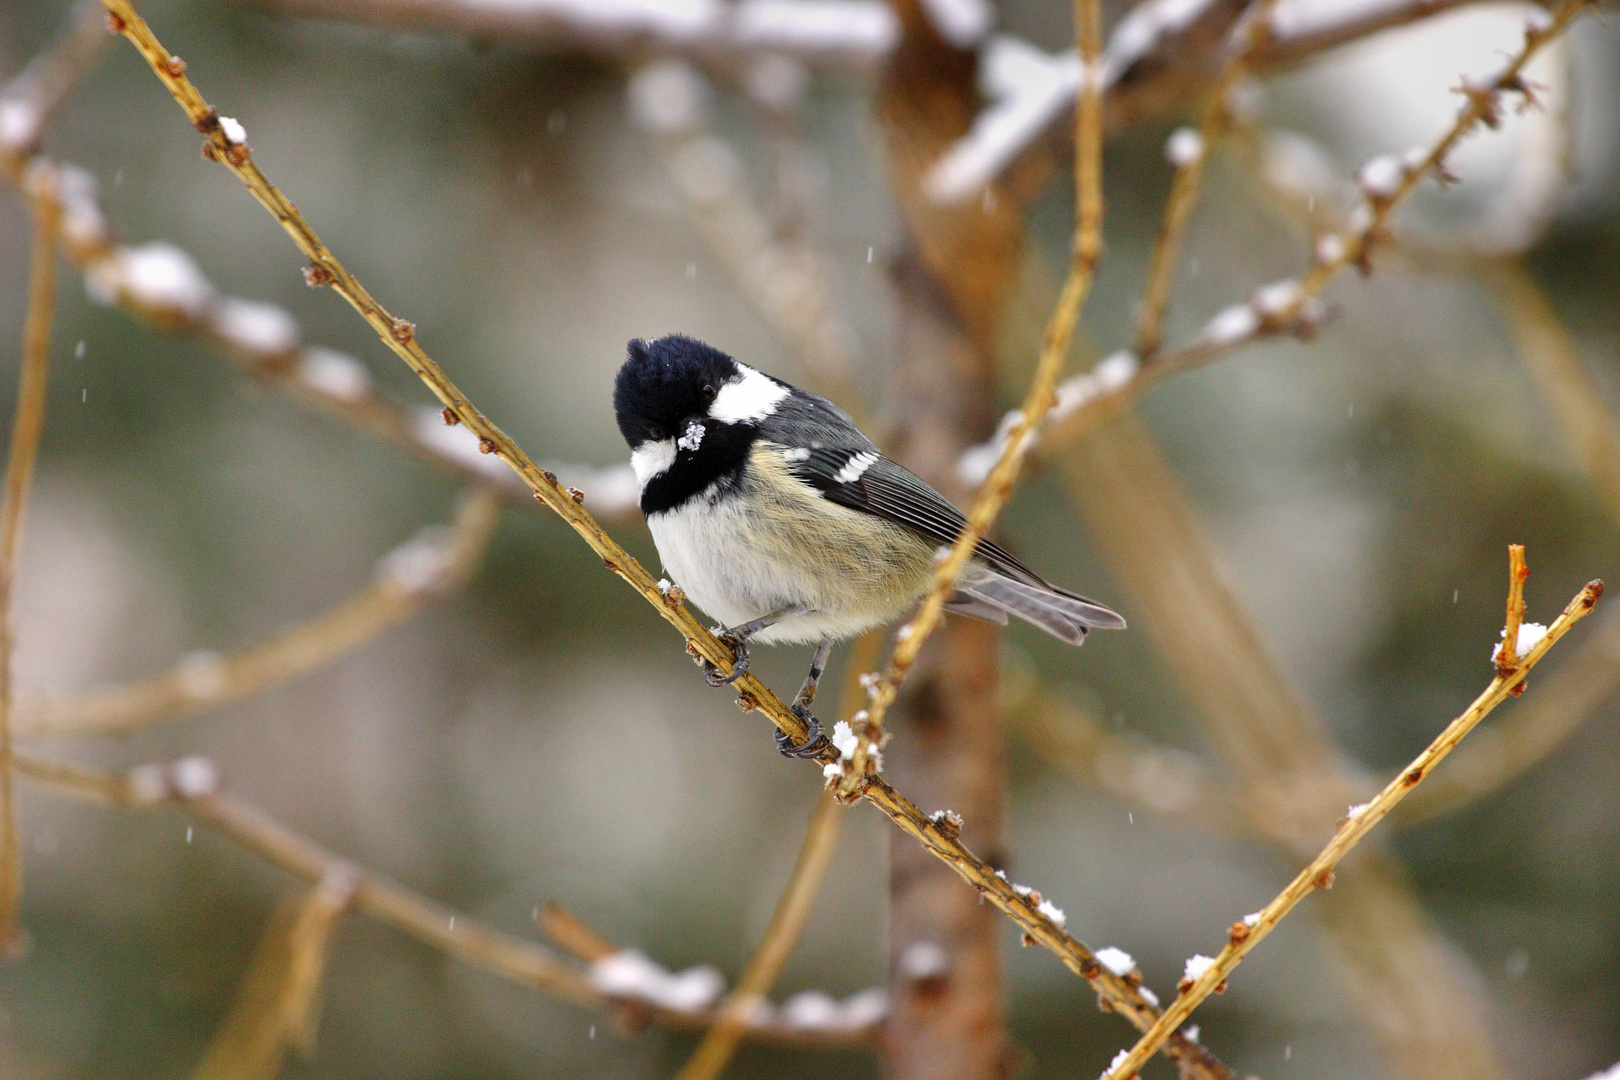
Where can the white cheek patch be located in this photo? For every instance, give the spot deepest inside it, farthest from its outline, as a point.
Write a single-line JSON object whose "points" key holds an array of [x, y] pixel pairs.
{"points": [[652, 459], [750, 398]]}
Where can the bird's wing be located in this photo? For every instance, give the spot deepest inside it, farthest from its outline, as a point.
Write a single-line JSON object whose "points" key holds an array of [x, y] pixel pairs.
{"points": [[861, 478]]}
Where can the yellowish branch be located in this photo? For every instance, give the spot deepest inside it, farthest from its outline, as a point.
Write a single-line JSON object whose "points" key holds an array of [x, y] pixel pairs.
{"points": [[400, 336], [26, 430], [998, 487], [408, 578], [1190, 151], [1208, 975]]}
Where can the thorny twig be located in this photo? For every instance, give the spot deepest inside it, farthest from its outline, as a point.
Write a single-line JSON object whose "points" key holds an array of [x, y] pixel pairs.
{"points": [[26, 429], [1293, 306], [407, 578], [192, 786], [998, 486], [1206, 976], [400, 336]]}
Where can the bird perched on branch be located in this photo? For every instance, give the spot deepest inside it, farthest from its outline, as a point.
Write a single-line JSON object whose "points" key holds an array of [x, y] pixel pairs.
{"points": [[775, 515]]}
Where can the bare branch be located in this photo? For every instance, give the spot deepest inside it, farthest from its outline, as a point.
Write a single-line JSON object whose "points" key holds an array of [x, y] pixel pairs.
{"points": [[26, 429], [435, 562], [1207, 975], [998, 487], [1291, 306]]}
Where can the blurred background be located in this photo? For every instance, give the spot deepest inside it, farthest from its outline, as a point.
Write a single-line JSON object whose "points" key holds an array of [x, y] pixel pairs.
{"points": [[1328, 516]]}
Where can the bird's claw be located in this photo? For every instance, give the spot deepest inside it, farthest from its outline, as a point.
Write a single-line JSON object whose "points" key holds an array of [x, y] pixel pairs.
{"points": [[739, 666], [814, 740]]}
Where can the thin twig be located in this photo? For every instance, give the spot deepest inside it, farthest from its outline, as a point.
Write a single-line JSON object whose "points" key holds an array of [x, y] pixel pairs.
{"points": [[399, 335], [25, 434], [1210, 975], [1294, 306], [792, 907], [765, 966], [29, 99], [1507, 653], [1190, 151], [998, 487], [407, 578], [191, 785]]}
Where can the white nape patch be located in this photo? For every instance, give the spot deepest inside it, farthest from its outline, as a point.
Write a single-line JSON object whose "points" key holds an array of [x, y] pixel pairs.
{"points": [[693, 437], [855, 467], [652, 459], [752, 397]]}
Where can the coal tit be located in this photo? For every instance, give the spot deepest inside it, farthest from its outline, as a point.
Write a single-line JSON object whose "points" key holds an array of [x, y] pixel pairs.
{"points": [[775, 515]]}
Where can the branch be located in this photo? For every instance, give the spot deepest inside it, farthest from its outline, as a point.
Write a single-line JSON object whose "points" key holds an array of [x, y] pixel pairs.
{"points": [[400, 336], [747, 1000], [998, 487], [1188, 151], [1291, 306], [436, 561], [192, 786], [29, 99], [857, 33], [26, 429], [1206, 976]]}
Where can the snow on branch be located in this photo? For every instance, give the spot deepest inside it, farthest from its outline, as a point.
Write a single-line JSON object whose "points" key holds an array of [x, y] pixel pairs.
{"points": [[852, 32]]}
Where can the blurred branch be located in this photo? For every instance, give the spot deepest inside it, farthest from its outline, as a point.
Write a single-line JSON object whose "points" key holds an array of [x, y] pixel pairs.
{"points": [[1206, 975], [436, 561], [1283, 778], [1301, 30], [192, 786], [400, 336], [1188, 151], [33, 378], [1501, 754], [747, 1000], [1292, 306], [29, 99], [998, 486], [277, 1004], [787, 283], [856, 33]]}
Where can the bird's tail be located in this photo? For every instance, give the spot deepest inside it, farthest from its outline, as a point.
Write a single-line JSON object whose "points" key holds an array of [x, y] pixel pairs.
{"points": [[1060, 613]]}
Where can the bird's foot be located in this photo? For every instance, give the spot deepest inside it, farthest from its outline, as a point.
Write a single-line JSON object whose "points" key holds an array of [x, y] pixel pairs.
{"points": [[814, 741], [739, 666]]}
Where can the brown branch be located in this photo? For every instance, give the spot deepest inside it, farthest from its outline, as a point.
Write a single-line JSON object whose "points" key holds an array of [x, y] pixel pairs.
{"points": [[787, 924], [1293, 306], [407, 579], [1507, 653], [26, 430], [998, 487], [191, 785], [1190, 151], [400, 336], [1207, 975]]}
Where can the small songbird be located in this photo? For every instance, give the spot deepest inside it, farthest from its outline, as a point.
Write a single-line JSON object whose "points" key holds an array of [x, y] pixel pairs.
{"points": [[775, 515]]}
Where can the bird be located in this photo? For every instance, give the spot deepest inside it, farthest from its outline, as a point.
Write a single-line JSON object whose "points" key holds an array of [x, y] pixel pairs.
{"points": [[775, 515]]}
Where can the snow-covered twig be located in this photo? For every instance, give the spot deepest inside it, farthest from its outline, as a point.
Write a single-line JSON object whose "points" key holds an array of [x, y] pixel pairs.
{"points": [[437, 560], [29, 99], [26, 429], [1042, 396], [193, 786], [1189, 151], [858, 33], [1210, 973], [1295, 306]]}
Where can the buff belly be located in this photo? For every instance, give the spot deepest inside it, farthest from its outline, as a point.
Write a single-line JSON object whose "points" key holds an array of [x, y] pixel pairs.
{"points": [[742, 558]]}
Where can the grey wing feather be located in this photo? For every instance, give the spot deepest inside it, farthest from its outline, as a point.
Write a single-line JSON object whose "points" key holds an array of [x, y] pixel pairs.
{"points": [[998, 585]]}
